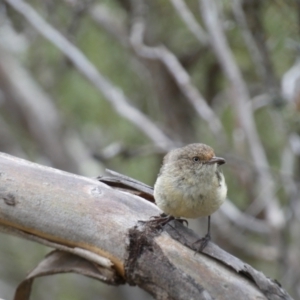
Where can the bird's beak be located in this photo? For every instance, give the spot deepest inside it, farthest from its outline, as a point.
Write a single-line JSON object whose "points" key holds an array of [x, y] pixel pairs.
{"points": [[217, 160]]}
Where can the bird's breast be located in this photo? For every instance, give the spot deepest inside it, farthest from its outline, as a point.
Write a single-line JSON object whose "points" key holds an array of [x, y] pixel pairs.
{"points": [[190, 197]]}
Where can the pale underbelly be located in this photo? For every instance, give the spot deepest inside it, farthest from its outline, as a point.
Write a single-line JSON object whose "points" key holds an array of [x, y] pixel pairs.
{"points": [[191, 208]]}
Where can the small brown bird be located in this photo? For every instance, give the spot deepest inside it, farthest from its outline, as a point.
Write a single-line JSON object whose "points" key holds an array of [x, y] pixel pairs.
{"points": [[190, 184]]}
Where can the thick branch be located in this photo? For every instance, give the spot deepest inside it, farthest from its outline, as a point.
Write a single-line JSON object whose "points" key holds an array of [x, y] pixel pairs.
{"points": [[82, 213]]}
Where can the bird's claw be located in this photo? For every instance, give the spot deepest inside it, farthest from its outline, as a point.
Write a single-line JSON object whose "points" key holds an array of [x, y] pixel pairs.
{"points": [[158, 222], [203, 242]]}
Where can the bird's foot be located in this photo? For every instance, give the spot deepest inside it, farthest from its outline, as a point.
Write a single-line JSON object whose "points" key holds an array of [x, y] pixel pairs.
{"points": [[158, 222], [203, 242]]}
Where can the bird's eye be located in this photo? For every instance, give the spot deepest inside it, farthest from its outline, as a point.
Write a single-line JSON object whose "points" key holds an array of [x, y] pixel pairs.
{"points": [[196, 158]]}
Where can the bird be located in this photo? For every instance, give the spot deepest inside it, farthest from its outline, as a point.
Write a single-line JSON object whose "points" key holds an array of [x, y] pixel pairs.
{"points": [[190, 184]]}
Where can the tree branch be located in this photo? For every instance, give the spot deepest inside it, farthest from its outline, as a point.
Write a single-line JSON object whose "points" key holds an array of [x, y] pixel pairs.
{"points": [[103, 226]]}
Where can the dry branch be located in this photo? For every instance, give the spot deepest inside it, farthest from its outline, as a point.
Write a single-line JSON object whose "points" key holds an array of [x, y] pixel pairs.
{"points": [[102, 225]]}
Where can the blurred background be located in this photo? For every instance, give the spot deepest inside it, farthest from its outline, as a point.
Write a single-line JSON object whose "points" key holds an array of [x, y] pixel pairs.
{"points": [[88, 85]]}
